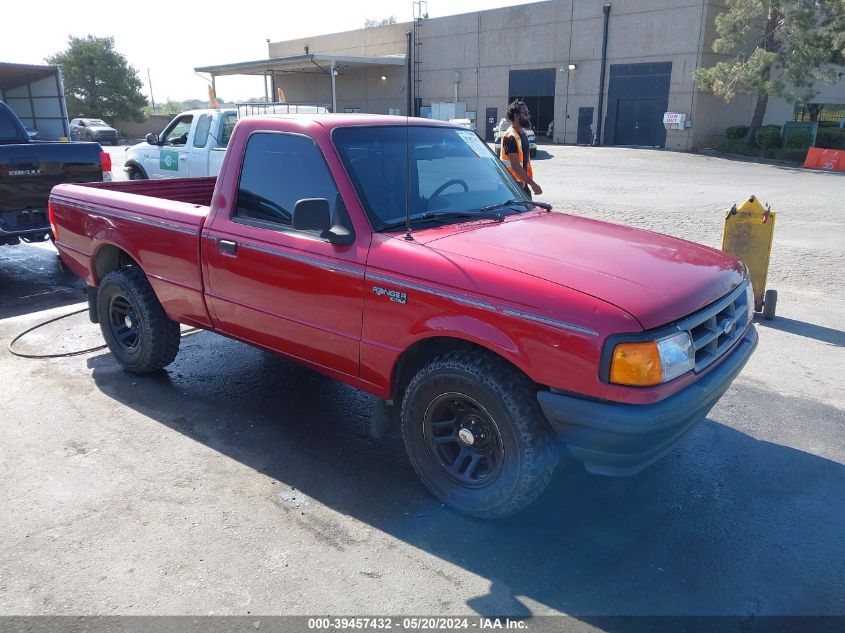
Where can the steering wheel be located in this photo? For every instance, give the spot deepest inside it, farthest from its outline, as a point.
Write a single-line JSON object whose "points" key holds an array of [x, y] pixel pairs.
{"points": [[448, 184]]}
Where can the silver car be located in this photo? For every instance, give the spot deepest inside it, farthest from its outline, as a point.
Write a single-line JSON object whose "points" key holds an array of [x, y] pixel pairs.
{"points": [[92, 130]]}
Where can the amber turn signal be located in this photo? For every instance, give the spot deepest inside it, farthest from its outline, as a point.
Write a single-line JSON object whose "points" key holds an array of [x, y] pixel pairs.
{"points": [[636, 364]]}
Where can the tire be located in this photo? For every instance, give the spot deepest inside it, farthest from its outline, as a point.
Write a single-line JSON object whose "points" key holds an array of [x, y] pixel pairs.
{"points": [[88, 137], [136, 174], [770, 302], [475, 434], [137, 331], [533, 153]]}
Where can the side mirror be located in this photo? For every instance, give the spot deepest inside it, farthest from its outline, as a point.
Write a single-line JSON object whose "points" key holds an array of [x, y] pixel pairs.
{"points": [[312, 214], [152, 139]]}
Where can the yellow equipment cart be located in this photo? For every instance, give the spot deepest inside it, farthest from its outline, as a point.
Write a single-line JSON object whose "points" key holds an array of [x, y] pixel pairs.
{"points": [[748, 234]]}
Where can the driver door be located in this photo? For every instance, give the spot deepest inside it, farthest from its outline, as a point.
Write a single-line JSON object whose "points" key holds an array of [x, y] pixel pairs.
{"points": [[171, 158], [276, 286]]}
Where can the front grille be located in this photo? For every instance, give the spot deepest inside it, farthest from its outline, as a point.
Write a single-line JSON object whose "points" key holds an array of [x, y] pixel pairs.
{"points": [[717, 327]]}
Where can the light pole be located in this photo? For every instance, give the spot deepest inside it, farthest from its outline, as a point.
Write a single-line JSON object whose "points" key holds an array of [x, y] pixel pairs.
{"points": [[334, 73]]}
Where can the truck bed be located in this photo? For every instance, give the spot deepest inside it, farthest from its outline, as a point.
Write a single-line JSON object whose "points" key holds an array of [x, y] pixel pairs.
{"points": [[154, 221], [191, 190]]}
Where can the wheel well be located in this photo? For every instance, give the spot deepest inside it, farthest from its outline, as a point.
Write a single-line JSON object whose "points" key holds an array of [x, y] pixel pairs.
{"points": [[111, 258], [421, 352], [135, 166]]}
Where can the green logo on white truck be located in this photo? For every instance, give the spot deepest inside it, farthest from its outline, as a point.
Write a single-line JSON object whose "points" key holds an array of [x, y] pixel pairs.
{"points": [[169, 160]]}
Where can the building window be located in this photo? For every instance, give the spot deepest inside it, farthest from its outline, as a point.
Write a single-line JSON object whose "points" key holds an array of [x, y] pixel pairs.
{"points": [[351, 110], [393, 111]]}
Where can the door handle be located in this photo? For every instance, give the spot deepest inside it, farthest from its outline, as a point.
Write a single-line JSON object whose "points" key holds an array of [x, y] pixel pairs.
{"points": [[228, 247]]}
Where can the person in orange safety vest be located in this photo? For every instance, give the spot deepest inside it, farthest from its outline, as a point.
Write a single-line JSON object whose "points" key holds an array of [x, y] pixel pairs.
{"points": [[514, 150]]}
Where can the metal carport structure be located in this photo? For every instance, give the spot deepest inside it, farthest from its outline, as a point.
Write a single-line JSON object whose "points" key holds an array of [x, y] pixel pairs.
{"points": [[37, 95], [326, 63]]}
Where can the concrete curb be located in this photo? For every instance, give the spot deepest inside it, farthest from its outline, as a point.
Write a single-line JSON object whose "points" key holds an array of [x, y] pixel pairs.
{"points": [[749, 159]]}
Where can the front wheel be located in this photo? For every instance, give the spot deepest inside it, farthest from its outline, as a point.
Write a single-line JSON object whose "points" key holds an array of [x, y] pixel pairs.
{"points": [[135, 327], [136, 174], [475, 434]]}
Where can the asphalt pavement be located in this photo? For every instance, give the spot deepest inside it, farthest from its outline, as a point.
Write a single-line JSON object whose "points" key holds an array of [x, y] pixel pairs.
{"points": [[235, 482]]}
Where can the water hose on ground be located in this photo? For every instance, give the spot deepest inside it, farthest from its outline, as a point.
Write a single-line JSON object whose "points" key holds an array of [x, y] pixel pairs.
{"points": [[65, 354]]}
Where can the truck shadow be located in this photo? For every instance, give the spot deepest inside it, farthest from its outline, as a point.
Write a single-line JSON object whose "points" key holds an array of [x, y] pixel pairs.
{"points": [[726, 524], [32, 279], [808, 330]]}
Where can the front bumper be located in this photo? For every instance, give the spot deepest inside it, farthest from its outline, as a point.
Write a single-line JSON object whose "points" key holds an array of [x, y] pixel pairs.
{"points": [[614, 438]]}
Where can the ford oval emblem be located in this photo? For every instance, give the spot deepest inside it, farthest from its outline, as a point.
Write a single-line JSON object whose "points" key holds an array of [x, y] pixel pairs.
{"points": [[728, 327]]}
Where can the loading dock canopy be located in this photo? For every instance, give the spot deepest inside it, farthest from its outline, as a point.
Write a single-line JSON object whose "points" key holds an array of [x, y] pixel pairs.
{"points": [[301, 64], [311, 63]]}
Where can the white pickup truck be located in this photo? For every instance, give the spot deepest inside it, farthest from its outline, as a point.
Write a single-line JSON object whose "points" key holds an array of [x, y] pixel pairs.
{"points": [[191, 146]]}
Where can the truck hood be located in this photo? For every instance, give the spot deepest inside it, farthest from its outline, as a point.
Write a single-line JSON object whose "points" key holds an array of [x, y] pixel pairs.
{"points": [[657, 279]]}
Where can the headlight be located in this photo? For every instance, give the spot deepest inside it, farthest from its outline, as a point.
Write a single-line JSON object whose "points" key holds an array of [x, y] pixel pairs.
{"points": [[676, 355], [652, 362], [749, 297]]}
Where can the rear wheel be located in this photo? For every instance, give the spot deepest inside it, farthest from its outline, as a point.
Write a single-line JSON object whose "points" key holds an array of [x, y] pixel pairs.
{"points": [[134, 325], [136, 174], [475, 435]]}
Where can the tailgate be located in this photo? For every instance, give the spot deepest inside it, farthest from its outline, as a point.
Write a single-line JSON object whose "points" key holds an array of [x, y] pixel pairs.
{"points": [[30, 170]]}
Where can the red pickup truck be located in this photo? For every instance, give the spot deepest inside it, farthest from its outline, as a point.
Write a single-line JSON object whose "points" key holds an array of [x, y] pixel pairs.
{"points": [[399, 256]]}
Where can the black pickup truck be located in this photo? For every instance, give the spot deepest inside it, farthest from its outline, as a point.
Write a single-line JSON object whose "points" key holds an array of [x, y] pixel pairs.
{"points": [[30, 169]]}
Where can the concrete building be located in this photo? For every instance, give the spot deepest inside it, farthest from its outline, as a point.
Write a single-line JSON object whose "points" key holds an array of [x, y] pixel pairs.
{"points": [[548, 53]]}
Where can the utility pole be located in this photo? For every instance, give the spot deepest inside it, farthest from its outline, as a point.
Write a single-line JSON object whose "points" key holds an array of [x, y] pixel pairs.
{"points": [[150, 82]]}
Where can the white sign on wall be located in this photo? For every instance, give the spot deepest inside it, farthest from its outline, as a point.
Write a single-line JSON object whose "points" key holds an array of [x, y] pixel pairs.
{"points": [[674, 120]]}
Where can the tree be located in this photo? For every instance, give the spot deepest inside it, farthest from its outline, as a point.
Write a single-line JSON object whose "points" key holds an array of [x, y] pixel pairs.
{"points": [[369, 24], [780, 47], [814, 110], [99, 82]]}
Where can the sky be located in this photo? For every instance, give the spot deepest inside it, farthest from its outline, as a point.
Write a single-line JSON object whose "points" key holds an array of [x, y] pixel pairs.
{"points": [[169, 39]]}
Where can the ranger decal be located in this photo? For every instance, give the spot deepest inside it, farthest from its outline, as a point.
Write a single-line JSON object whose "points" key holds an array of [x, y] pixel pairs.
{"points": [[395, 295]]}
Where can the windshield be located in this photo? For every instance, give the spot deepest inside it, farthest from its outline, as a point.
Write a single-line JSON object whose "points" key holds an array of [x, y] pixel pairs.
{"points": [[452, 171], [98, 122]]}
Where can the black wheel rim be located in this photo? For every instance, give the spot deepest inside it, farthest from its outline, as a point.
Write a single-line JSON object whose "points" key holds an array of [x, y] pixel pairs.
{"points": [[463, 440], [124, 323]]}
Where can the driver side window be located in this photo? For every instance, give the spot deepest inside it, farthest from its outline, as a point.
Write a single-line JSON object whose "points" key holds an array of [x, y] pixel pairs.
{"points": [[177, 133], [278, 171]]}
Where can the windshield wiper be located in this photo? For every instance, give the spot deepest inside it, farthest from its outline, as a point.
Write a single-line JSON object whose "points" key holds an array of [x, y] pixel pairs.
{"points": [[506, 203], [481, 214]]}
